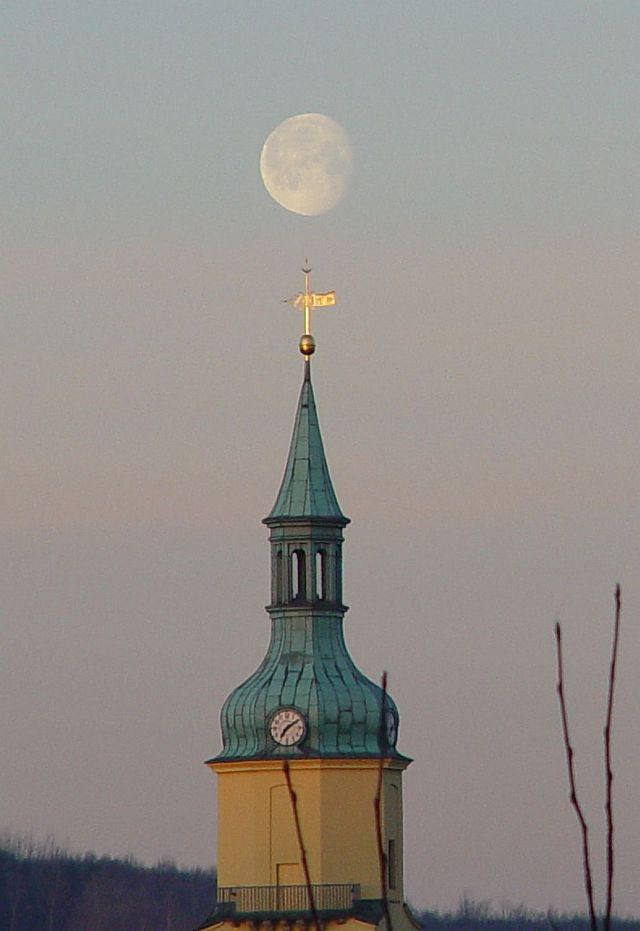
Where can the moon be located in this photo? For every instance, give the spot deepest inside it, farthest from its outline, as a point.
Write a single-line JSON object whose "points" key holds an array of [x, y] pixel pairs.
{"points": [[306, 163]]}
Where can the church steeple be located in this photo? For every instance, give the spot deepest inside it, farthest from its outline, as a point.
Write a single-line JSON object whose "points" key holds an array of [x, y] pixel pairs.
{"points": [[306, 521], [308, 667], [306, 489], [309, 706]]}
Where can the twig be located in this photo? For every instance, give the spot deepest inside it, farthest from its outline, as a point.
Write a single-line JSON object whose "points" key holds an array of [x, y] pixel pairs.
{"points": [[382, 859], [303, 853], [607, 763], [588, 882]]}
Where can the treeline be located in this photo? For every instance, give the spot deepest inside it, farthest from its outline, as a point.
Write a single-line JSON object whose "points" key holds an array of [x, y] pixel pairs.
{"points": [[45, 888], [481, 916]]}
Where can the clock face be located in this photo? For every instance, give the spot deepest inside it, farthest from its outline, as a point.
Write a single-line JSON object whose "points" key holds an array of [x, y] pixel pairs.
{"points": [[288, 727], [392, 731]]}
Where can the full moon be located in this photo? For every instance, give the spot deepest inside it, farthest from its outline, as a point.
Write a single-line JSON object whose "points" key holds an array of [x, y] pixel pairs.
{"points": [[306, 163]]}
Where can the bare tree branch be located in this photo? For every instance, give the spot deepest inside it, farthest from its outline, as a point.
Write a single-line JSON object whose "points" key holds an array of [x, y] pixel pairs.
{"points": [[303, 853], [586, 859], [607, 763], [377, 806]]}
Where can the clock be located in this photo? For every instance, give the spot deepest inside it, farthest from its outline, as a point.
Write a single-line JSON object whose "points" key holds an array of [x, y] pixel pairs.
{"points": [[391, 729], [288, 727]]}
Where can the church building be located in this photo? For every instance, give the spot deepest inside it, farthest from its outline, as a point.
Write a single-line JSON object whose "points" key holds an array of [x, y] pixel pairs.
{"points": [[309, 742]]}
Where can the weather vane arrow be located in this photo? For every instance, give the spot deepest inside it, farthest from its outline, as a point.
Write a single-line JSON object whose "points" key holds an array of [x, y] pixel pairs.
{"points": [[308, 300]]}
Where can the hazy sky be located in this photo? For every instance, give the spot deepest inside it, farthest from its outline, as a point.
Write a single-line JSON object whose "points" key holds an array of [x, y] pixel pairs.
{"points": [[477, 386]]}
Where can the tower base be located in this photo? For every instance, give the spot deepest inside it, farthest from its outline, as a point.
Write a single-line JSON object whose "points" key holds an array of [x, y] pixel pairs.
{"points": [[366, 915]]}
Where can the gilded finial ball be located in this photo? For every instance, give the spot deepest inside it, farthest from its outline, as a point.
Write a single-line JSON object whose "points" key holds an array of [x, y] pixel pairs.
{"points": [[307, 345]]}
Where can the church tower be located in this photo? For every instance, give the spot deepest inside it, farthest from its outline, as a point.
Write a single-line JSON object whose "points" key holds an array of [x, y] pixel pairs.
{"points": [[308, 740]]}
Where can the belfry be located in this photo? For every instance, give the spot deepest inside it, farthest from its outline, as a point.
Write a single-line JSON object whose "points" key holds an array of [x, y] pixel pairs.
{"points": [[309, 777]]}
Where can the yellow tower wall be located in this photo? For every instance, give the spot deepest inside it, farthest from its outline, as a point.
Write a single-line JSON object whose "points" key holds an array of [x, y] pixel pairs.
{"points": [[257, 841]]}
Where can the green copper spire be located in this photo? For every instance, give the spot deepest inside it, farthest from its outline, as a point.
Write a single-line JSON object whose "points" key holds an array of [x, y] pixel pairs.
{"points": [[306, 489], [307, 671]]}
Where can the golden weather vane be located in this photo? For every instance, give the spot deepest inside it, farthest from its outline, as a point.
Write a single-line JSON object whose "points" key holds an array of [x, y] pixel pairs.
{"points": [[307, 300]]}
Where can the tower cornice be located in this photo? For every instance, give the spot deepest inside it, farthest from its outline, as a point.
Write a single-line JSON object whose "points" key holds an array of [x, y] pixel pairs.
{"points": [[308, 609], [310, 764], [315, 521]]}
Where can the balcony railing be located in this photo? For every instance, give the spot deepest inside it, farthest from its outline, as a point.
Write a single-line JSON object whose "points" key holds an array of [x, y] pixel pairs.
{"points": [[328, 897]]}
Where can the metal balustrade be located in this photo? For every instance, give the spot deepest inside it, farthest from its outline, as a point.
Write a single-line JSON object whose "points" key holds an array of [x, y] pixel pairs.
{"points": [[326, 896]]}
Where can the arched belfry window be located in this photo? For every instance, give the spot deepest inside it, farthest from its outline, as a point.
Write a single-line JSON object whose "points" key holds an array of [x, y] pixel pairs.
{"points": [[279, 592], [337, 575], [392, 866], [298, 575], [321, 574]]}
